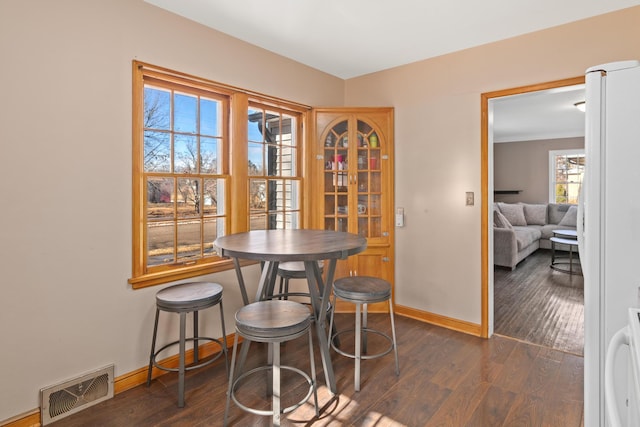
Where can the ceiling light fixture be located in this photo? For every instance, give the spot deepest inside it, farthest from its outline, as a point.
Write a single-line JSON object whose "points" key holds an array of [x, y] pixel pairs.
{"points": [[580, 106]]}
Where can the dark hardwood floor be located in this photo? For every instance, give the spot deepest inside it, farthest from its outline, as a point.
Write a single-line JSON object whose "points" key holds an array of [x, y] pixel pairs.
{"points": [[446, 378], [537, 304]]}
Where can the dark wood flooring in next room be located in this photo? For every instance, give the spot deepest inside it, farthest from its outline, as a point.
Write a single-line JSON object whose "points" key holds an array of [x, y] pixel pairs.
{"points": [[537, 304], [446, 378]]}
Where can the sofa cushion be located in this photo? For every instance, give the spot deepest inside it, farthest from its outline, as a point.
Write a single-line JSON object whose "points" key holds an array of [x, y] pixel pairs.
{"points": [[526, 236], [556, 212], [535, 214], [547, 230], [514, 213], [570, 219], [500, 221]]}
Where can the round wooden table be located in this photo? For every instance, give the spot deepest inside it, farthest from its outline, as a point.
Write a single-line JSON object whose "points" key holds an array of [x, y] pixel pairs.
{"points": [[309, 246]]}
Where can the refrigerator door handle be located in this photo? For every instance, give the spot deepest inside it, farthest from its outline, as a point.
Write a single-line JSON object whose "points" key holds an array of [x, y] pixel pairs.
{"points": [[617, 341]]}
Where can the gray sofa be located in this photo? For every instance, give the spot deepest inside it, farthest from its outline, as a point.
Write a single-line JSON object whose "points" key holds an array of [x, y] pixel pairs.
{"points": [[519, 229]]}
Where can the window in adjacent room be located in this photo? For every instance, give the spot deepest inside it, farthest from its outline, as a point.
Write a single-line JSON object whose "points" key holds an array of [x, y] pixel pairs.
{"points": [[566, 170]]}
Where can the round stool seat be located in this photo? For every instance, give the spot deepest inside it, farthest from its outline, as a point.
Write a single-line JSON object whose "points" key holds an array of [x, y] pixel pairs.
{"points": [[295, 269], [272, 319], [189, 296], [362, 289]]}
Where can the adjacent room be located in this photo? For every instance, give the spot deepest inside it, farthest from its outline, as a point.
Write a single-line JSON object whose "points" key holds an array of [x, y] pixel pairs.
{"points": [[538, 158], [164, 130]]}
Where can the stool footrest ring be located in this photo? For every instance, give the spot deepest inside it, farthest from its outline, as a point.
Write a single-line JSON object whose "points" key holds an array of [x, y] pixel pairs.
{"points": [[363, 356], [265, 412], [190, 367]]}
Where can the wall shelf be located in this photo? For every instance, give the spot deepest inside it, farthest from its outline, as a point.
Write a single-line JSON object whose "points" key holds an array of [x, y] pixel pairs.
{"points": [[507, 191]]}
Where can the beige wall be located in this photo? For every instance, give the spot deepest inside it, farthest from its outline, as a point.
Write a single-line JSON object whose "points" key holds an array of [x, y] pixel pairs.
{"points": [[438, 145], [65, 179], [524, 165], [65, 117]]}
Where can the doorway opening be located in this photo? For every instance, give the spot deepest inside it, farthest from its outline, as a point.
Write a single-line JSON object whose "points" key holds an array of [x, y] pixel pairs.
{"points": [[491, 135]]}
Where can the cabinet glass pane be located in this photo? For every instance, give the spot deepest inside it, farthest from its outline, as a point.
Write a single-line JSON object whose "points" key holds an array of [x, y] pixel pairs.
{"points": [[336, 177]]}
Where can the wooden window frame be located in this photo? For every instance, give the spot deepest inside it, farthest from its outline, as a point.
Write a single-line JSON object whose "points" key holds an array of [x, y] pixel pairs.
{"points": [[297, 148], [553, 182], [233, 167]]}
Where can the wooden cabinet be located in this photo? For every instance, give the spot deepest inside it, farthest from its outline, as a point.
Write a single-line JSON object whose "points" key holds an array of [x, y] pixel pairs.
{"points": [[352, 183]]}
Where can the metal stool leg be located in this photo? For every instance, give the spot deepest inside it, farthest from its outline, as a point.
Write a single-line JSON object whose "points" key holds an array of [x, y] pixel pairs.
{"points": [[153, 347], [195, 337], [270, 374], [393, 334], [244, 351], [183, 326], [570, 259], [331, 325], [312, 362], [358, 347], [275, 385], [286, 288], [224, 339], [364, 328], [231, 379]]}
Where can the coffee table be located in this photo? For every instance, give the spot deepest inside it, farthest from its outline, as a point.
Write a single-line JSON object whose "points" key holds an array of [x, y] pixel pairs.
{"points": [[568, 234], [569, 238]]}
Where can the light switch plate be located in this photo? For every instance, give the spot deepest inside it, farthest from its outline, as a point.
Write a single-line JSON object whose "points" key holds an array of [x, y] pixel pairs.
{"points": [[469, 198], [400, 217]]}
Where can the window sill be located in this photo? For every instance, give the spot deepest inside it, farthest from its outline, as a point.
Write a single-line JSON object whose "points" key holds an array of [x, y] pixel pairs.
{"points": [[173, 275]]}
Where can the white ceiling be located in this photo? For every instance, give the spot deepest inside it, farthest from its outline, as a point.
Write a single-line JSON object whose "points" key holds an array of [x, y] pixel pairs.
{"points": [[350, 38], [538, 115]]}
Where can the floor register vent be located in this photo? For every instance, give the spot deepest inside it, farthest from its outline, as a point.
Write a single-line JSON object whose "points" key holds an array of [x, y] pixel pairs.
{"points": [[69, 397]]}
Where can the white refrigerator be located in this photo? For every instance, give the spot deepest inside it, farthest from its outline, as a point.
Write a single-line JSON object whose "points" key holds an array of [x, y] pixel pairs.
{"points": [[609, 229]]}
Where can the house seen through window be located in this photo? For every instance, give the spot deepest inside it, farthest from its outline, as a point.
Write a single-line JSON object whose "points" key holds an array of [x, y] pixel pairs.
{"points": [[566, 171], [274, 183]]}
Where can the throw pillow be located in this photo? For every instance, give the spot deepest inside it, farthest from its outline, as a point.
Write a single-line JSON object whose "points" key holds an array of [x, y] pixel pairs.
{"points": [[570, 219], [500, 221], [535, 214], [557, 211], [514, 213]]}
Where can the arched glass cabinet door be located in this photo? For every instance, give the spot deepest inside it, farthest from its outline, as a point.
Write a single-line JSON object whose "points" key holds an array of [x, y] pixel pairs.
{"points": [[368, 181], [353, 178], [336, 177]]}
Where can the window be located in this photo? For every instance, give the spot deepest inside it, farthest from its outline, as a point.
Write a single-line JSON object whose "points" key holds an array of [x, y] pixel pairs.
{"points": [[566, 170], [274, 184], [184, 175]]}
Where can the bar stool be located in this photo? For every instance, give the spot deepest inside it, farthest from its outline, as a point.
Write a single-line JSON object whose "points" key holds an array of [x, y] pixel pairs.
{"points": [[296, 270], [363, 290], [182, 299], [293, 270], [273, 322]]}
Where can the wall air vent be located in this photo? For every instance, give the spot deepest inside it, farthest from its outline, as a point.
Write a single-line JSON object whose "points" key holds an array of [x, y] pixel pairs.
{"points": [[69, 397]]}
